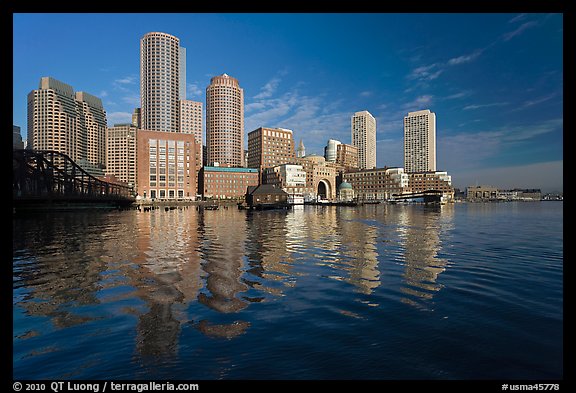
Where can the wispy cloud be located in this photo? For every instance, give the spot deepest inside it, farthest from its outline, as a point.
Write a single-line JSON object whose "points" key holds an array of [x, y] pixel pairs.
{"points": [[522, 28], [103, 94], [268, 89], [455, 96], [478, 106], [419, 102], [193, 90], [125, 84], [127, 80], [537, 101], [465, 58], [426, 73], [118, 117], [517, 18], [366, 93], [132, 99]]}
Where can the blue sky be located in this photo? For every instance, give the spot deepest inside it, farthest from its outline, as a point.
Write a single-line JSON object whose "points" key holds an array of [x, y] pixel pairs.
{"points": [[494, 80]]}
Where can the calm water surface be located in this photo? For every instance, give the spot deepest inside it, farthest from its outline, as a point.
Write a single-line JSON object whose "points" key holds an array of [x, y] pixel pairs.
{"points": [[465, 291]]}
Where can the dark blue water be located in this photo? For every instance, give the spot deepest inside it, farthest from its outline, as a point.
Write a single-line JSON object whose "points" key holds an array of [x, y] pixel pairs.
{"points": [[464, 291]]}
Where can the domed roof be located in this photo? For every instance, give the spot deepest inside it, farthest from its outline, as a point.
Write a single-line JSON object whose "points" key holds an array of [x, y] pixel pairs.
{"points": [[345, 185]]}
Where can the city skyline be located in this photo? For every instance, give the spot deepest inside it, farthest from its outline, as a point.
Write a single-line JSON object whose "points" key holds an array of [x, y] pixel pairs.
{"points": [[493, 80]]}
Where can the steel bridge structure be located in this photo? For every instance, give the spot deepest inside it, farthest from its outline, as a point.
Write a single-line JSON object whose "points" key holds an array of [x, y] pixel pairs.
{"points": [[48, 177]]}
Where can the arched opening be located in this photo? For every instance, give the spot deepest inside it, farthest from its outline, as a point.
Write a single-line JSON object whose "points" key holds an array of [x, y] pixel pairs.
{"points": [[322, 189]]}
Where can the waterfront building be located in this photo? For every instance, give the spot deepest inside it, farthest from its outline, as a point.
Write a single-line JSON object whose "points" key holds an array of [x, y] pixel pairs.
{"points": [[121, 153], [427, 181], [347, 156], [162, 67], [345, 192], [420, 141], [364, 139], [269, 147], [481, 193], [166, 165], [378, 184], [289, 177], [226, 182], [330, 150], [225, 121], [17, 142], [70, 123], [320, 178], [265, 195]]}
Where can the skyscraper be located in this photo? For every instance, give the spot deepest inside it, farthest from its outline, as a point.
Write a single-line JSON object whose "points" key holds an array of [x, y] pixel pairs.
{"points": [[364, 138], [225, 121], [68, 122], [420, 141], [162, 81]]}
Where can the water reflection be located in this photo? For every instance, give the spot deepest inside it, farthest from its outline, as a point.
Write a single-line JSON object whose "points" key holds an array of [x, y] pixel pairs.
{"points": [[207, 269], [419, 229]]}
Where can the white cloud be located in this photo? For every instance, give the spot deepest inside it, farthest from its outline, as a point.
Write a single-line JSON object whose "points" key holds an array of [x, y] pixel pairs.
{"points": [[366, 93], [268, 89], [118, 117], [537, 101], [426, 73], [132, 99], [127, 80], [193, 90], [478, 106], [517, 18], [523, 27], [465, 58], [419, 103]]}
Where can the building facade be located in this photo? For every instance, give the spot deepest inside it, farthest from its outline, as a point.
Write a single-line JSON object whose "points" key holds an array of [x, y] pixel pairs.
{"points": [[17, 142], [269, 147], [377, 184], [161, 69], [481, 193], [347, 156], [166, 165], [121, 153], [68, 122], [225, 121], [420, 141], [320, 178], [191, 120], [364, 139], [428, 181], [330, 150], [289, 177], [225, 182]]}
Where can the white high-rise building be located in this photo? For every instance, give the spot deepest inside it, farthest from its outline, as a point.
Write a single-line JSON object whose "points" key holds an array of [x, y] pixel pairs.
{"points": [[420, 141], [364, 138], [162, 81]]}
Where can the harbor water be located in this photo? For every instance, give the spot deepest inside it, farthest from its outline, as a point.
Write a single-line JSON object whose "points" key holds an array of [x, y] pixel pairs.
{"points": [[387, 292]]}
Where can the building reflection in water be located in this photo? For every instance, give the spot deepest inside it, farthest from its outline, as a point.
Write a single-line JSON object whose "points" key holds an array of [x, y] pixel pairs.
{"points": [[54, 280], [420, 228], [166, 276], [270, 261], [222, 248], [359, 239]]}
